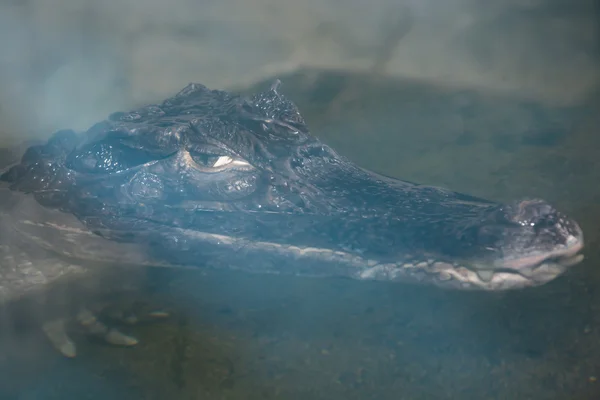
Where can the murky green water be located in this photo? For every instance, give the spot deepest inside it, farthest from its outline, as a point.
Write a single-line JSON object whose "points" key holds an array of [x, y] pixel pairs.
{"points": [[238, 336]]}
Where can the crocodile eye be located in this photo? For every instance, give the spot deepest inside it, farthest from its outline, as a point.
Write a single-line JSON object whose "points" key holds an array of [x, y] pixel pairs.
{"points": [[223, 160], [207, 160]]}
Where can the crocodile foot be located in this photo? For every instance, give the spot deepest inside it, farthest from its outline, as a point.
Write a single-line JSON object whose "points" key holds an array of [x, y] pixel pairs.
{"points": [[92, 324]]}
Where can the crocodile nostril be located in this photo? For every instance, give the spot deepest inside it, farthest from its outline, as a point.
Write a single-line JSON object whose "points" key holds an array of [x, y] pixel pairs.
{"points": [[532, 213]]}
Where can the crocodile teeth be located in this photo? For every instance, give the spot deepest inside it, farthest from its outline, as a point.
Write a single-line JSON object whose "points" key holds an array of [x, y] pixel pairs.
{"points": [[527, 272], [485, 275]]}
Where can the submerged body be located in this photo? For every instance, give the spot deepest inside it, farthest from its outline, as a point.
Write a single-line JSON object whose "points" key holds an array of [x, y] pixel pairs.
{"points": [[212, 179]]}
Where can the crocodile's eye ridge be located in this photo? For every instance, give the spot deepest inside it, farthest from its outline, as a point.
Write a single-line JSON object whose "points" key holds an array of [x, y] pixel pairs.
{"points": [[106, 157]]}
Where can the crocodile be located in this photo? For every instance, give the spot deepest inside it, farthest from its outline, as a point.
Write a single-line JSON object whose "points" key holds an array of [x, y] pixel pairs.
{"points": [[215, 179]]}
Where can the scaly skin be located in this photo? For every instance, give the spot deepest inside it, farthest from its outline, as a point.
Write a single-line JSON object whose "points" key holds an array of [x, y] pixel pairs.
{"points": [[208, 178]]}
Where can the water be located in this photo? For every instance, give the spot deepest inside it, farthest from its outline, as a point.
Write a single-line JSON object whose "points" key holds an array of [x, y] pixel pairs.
{"points": [[238, 336]]}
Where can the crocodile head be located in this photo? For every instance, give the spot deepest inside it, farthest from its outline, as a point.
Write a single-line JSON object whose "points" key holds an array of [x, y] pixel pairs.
{"points": [[209, 178]]}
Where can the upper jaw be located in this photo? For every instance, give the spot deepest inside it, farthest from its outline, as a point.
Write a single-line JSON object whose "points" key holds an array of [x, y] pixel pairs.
{"points": [[527, 267], [560, 253]]}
